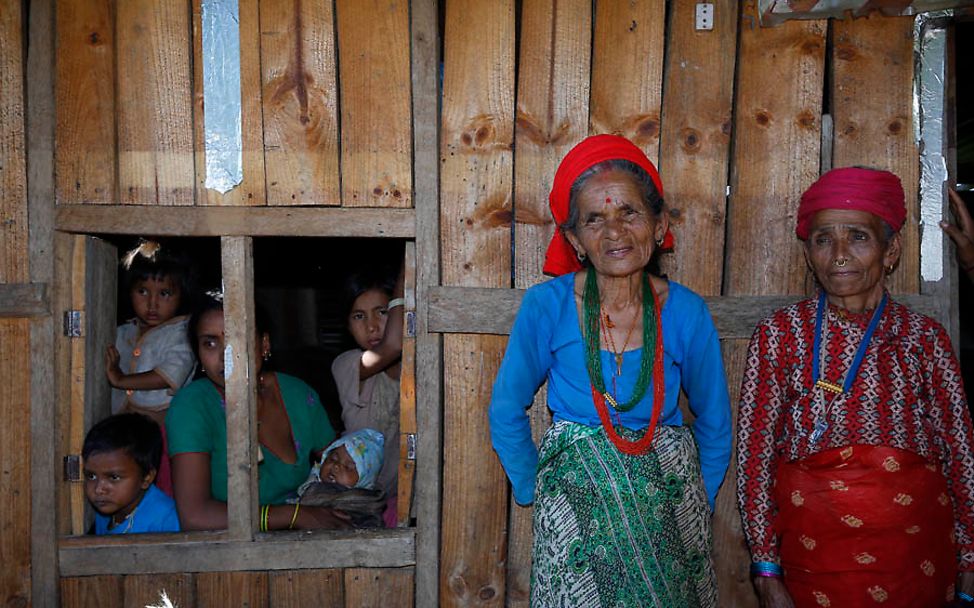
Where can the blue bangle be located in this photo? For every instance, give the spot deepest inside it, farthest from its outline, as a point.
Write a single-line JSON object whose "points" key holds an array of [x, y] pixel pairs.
{"points": [[964, 597], [766, 569]]}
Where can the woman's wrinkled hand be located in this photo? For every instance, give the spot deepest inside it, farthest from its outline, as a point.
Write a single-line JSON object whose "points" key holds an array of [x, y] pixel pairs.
{"points": [[962, 233], [318, 518], [772, 592]]}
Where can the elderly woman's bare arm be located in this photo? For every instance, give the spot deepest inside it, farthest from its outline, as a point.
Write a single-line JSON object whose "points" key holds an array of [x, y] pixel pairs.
{"points": [[962, 233]]}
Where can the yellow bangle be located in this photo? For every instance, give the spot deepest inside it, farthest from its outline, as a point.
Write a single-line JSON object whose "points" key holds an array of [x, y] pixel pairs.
{"points": [[294, 516], [264, 511]]}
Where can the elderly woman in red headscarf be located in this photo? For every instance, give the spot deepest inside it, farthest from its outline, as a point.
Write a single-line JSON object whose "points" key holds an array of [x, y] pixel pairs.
{"points": [[622, 491], [855, 457]]}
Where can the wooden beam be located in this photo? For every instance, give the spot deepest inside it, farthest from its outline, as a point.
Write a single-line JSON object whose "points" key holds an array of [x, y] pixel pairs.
{"points": [[39, 141], [241, 385], [230, 221], [24, 300], [214, 552], [479, 310], [429, 380], [475, 216]]}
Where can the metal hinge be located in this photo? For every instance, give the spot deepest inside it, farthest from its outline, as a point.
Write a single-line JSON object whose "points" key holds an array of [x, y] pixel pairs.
{"points": [[73, 323], [410, 446], [410, 324], [72, 467]]}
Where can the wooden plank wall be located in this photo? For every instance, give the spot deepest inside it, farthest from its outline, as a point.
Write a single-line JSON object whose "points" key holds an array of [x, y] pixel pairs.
{"points": [[130, 120], [331, 588], [15, 390], [737, 107], [734, 116]]}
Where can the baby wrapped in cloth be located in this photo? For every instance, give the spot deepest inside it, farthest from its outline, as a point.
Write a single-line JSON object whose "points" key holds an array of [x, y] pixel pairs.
{"points": [[344, 478]]}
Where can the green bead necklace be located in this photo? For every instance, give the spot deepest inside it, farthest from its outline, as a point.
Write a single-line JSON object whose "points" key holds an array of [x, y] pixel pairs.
{"points": [[592, 311]]}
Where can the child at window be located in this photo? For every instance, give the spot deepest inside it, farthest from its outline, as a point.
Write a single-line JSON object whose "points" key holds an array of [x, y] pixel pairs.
{"points": [[121, 457], [152, 358], [367, 377], [344, 478]]}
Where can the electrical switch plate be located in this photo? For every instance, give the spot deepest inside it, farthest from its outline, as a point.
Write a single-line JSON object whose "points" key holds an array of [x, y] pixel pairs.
{"points": [[705, 16]]}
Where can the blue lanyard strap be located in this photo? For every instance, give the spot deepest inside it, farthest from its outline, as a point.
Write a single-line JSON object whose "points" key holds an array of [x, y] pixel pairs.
{"points": [[850, 376]]}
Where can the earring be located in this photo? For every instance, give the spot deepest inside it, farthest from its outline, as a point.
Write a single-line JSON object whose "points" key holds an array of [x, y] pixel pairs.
{"points": [[582, 257], [659, 242], [889, 269], [267, 354]]}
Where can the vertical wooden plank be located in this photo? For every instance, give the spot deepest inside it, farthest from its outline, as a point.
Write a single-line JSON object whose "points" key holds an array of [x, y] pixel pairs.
{"points": [[872, 105], [252, 190], [477, 134], [77, 425], [241, 385], [13, 161], [552, 116], [86, 158], [15, 390], [15, 446], [628, 40], [407, 392], [40, 125], [378, 587], [154, 102], [373, 43], [93, 291], [144, 590], [100, 294], [300, 102], [732, 559], [304, 588], [88, 591], [64, 388], [695, 146], [778, 105], [221, 589], [425, 42]]}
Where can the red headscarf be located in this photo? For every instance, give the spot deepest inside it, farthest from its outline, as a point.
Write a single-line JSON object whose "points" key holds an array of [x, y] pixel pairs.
{"points": [[871, 190], [561, 257]]}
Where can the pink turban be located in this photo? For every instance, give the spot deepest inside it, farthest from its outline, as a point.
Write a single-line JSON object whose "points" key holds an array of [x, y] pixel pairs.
{"points": [[870, 190], [561, 257]]}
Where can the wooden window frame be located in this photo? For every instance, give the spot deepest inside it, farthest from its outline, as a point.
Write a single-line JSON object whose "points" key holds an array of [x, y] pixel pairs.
{"points": [[240, 546]]}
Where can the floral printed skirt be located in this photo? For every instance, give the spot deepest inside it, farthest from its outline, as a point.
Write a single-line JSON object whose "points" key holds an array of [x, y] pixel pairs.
{"points": [[865, 526], [613, 530]]}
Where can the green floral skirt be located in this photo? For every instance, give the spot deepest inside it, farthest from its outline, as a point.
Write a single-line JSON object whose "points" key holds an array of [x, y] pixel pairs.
{"points": [[613, 530]]}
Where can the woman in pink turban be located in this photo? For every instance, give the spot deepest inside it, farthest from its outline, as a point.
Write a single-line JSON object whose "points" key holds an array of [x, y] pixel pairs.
{"points": [[855, 456], [622, 491]]}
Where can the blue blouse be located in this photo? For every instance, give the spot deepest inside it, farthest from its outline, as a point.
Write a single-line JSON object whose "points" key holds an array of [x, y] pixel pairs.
{"points": [[546, 344]]}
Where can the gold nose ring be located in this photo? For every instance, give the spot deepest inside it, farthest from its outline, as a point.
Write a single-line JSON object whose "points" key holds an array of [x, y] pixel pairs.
{"points": [[840, 262]]}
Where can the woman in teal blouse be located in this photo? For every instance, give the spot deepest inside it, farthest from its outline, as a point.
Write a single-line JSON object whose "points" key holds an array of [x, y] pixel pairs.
{"points": [[292, 426]]}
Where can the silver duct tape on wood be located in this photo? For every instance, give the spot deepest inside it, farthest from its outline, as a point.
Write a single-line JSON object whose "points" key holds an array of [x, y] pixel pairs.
{"points": [[221, 94], [931, 44]]}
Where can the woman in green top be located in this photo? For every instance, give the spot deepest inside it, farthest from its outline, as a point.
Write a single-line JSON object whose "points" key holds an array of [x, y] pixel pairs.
{"points": [[292, 427]]}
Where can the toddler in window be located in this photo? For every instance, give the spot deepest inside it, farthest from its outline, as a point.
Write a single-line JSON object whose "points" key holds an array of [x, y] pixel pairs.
{"points": [[344, 478], [152, 358], [121, 457]]}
